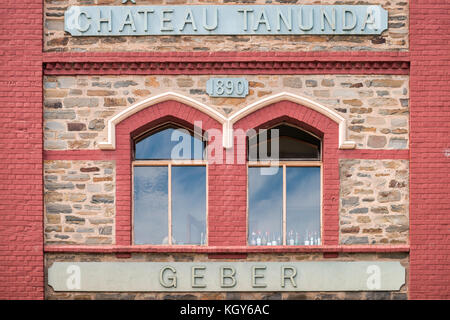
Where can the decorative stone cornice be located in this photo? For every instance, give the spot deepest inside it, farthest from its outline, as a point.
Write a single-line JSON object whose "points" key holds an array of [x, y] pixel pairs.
{"points": [[276, 66]]}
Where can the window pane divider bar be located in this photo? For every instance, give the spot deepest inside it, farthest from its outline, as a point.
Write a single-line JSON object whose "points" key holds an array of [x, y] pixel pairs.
{"points": [[284, 205], [169, 174], [283, 165]]}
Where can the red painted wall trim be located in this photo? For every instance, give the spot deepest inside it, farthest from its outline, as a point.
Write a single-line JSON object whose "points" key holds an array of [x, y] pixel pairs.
{"points": [[226, 249], [373, 154], [122, 63], [227, 56], [70, 69], [80, 155], [111, 155]]}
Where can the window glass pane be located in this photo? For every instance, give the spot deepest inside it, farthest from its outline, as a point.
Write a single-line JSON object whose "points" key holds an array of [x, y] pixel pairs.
{"points": [[151, 205], [188, 204], [303, 205], [159, 146], [265, 207]]}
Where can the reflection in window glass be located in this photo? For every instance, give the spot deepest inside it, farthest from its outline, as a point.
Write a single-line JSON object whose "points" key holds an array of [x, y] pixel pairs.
{"points": [[265, 207], [150, 205], [303, 205], [188, 204], [159, 146]]}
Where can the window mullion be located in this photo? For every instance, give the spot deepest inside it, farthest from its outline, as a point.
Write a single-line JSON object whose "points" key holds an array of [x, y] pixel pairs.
{"points": [[284, 204], [170, 202]]}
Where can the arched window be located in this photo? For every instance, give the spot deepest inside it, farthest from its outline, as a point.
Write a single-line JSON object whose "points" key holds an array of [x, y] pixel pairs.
{"points": [[284, 187], [169, 186]]}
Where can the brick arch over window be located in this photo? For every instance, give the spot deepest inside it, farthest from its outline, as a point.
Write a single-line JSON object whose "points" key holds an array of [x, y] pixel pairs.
{"points": [[146, 118], [322, 126], [343, 143], [227, 122]]}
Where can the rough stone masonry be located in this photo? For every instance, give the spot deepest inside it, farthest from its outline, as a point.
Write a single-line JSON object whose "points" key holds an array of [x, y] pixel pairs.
{"points": [[79, 201], [393, 39], [374, 193], [374, 199], [77, 108]]}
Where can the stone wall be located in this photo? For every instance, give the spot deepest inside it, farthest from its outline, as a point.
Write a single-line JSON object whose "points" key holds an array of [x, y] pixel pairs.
{"points": [[374, 201], [393, 39], [401, 294], [79, 202], [77, 108]]}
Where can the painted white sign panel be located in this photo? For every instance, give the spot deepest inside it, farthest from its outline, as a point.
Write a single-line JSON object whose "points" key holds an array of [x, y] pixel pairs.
{"points": [[225, 20], [226, 276]]}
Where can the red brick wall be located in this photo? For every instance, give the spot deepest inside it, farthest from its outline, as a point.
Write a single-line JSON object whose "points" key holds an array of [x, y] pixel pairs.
{"points": [[430, 150], [21, 218]]}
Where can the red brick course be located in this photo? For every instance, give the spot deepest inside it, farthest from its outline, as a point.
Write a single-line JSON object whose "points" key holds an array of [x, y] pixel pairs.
{"points": [[21, 207], [429, 276]]}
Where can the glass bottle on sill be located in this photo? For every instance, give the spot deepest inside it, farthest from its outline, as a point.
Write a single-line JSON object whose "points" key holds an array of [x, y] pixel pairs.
{"points": [[291, 238], [274, 241], [265, 239], [258, 239], [306, 240], [297, 240], [278, 242], [253, 239]]}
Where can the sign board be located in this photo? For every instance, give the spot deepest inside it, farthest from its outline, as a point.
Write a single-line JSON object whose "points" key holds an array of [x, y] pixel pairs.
{"points": [[227, 87], [226, 276], [225, 20]]}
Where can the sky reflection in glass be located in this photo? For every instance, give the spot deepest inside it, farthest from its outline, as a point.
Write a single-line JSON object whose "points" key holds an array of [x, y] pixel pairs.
{"points": [[151, 205], [189, 204], [159, 146], [303, 204], [265, 205]]}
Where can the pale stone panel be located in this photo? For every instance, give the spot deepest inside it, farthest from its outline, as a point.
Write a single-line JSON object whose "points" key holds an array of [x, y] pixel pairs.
{"points": [[329, 276], [79, 200], [393, 39], [374, 201], [376, 107], [401, 294]]}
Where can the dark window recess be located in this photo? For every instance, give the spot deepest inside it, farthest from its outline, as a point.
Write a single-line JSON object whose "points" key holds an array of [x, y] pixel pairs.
{"points": [[294, 144]]}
